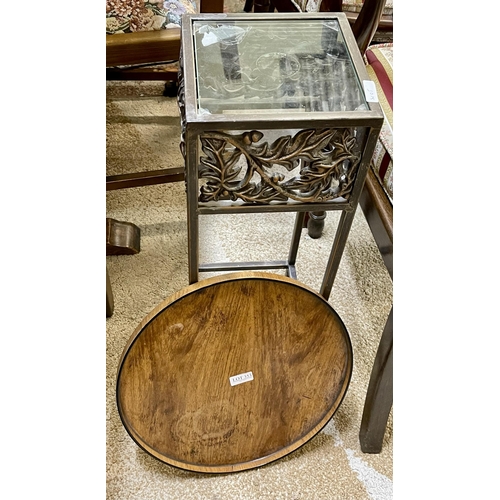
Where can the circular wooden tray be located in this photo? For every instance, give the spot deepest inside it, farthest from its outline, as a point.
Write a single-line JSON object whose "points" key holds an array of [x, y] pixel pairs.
{"points": [[233, 372]]}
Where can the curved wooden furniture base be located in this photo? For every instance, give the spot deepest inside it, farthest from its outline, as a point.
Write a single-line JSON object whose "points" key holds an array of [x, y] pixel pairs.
{"points": [[122, 238], [233, 372]]}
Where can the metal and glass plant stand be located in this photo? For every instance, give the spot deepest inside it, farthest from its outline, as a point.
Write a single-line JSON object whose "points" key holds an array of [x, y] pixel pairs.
{"points": [[278, 115]]}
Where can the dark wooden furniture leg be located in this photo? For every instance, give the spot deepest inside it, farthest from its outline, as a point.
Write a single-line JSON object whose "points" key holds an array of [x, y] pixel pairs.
{"points": [[378, 400], [315, 224], [110, 304], [378, 212], [122, 238]]}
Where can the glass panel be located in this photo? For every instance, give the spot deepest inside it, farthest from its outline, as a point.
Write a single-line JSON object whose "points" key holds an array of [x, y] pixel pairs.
{"points": [[261, 66]]}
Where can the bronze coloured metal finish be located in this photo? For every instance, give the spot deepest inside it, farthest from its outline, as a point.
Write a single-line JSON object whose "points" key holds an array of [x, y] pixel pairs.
{"points": [[326, 160], [274, 118]]}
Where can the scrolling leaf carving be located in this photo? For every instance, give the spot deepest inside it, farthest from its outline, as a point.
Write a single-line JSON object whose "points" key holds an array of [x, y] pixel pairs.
{"points": [[327, 160]]}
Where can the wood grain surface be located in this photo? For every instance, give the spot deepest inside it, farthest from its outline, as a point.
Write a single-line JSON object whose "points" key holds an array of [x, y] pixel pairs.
{"points": [[174, 393]]}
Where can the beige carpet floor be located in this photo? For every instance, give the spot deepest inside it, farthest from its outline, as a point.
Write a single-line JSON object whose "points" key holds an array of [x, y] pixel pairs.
{"points": [[143, 133]]}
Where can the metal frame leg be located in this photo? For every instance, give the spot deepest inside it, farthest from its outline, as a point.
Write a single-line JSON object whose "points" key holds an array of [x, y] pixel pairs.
{"points": [[294, 246], [192, 206], [339, 243]]}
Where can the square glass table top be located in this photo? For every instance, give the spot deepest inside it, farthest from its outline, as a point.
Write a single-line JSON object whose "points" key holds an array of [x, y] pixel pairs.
{"points": [[261, 66]]}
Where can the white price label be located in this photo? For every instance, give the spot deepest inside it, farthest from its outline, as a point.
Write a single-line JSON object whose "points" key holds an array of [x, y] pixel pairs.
{"points": [[239, 379], [370, 91]]}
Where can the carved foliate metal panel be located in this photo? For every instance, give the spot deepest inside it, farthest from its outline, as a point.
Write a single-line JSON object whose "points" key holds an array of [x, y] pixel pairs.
{"points": [[321, 166]]}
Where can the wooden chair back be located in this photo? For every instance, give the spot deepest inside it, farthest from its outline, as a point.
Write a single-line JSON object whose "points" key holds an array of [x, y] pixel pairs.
{"points": [[148, 48], [364, 24]]}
